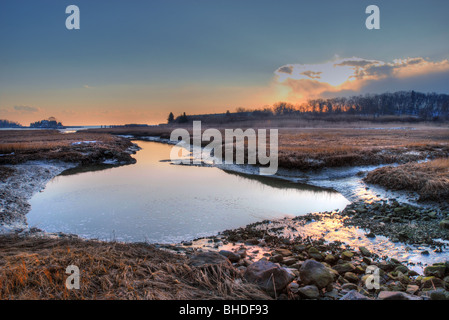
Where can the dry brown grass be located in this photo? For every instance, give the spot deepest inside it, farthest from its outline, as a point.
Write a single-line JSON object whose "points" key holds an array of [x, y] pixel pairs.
{"points": [[315, 148], [34, 268], [318, 148], [29, 140], [18, 146], [429, 179]]}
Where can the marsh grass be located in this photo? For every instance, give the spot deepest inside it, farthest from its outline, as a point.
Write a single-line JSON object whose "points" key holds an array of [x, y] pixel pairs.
{"points": [[315, 148], [34, 268], [17, 146], [429, 179]]}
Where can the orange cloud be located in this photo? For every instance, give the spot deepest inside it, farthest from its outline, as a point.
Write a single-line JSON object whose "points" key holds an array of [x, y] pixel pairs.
{"points": [[306, 81]]}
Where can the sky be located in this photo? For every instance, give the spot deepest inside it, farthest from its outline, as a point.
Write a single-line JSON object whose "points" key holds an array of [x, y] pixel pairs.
{"points": [[136, 61]]}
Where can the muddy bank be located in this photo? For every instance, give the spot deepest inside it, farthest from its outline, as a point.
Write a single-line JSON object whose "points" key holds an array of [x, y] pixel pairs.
{"points": [[266, 260], [20, 185], [27, 171], [315, 265]]}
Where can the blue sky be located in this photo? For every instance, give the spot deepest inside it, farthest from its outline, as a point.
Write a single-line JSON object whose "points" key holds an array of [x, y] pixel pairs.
{"points": [[135, 61]]}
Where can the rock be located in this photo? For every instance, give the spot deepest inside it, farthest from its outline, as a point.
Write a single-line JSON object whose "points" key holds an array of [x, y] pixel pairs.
{"points": [[344, 267], [396, 295], [439, 294], [435, 270], [309, 292], [403, 278], [432, 283], [293, 287], [289, 261], [367, 261], [299, 247], [208, 258], [401, 268], [330, 259], [347, 255], [360, 270], [396, 286], [370, 235], [412, 289], [351, 277], [252, 242], [269, 276], [333, 294], [364, 251], [354, 295], [349, 286], [313, 272], [233, 257], [283, 252], [386, 266], [276, 258], [444, 224], [315, 254]]}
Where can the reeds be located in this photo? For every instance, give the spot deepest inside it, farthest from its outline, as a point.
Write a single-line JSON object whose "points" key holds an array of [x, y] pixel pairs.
{"points": [[429, 179], [34, 268]]}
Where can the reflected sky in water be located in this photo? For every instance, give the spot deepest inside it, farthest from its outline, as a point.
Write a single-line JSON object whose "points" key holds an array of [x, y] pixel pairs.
{"points": [[157, 201]]}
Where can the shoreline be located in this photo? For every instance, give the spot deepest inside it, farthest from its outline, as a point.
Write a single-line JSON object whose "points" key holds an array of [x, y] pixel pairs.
{"points": [[18, 192], [243, 246]]}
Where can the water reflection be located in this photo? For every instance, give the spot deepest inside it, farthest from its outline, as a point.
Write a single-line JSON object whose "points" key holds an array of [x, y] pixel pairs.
{"points": [[156, 201]]}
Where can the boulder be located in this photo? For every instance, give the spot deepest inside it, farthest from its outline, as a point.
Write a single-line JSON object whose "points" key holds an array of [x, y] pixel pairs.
{"points": [[354, 295], [412, 289], [351, 277], [396, 295], [330, 259], [252, 242], [435, 270], [342, 268], [315, 254], [349, 286], [283, 252], [309, 292], [444, 224], [208, 258], [269, 276], [233, 257], [364, 251], [347, 255], [314, 272], [438, 294], [432, 282]]}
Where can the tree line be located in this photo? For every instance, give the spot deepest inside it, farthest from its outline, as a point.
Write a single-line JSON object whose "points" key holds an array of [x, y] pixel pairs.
{"points": [[415, 105]]}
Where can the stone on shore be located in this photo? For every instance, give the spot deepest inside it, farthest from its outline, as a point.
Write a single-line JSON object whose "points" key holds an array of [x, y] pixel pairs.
{"points": [[315, 254], [396, 295], [314, 272], [344, 267], [435, 270], [208, 258], [364, 251], [233, 257], [309, 292], [444, 224], [354, 295], [269, 276]]}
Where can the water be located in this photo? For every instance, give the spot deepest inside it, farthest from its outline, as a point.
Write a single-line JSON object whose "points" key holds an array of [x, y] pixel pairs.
{"points": [[156, 201]]}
